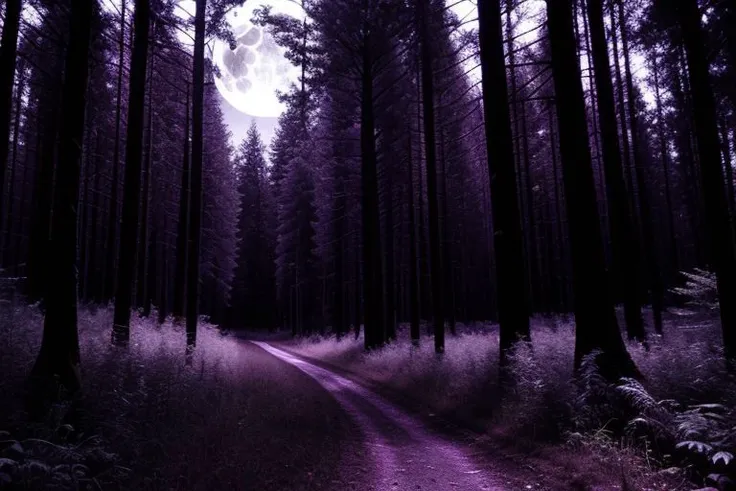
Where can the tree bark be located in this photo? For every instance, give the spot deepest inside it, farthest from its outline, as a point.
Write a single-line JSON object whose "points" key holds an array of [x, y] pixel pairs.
{"points": [[642, 179], [513, 313], [195, 210], [182, 227], [414, 330], [723, 257], [595, 319], [8, 53], [372, 267], [10, 255], [435, 252], [623, 239], [664, 157], [111, 269], [132, 179], [143, 292], [59, 353]]}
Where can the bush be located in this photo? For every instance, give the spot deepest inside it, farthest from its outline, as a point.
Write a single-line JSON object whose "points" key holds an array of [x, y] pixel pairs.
{"points": [[681, 413]]}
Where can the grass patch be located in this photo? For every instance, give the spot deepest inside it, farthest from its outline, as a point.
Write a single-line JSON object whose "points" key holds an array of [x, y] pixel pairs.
{"points": [[151, 422], [651, 433]]}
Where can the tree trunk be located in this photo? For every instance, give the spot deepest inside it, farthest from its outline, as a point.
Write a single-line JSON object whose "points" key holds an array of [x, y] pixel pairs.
{"points": [[413, 265], [594, 110], [728, 165], [195, 210], [513, 313], [10, 255], [182, 227], [596, 326], [142, 291], [59, 354], [390, 290], [372, 267], [664, 157], [723, 257], [435, 252], [94, 279], [623, 240], [655, 273], [8, 52], [111, 269], [132, 179]]}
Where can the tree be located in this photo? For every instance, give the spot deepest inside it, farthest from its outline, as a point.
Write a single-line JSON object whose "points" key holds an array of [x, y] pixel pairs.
{"points": [[182, 228], [8, 52], [132, 179], [430, 145], [513, 313], [110, 275], [252, 301], [195, 182], [723, 251], [596, 327], [623, 234], [59, 354]]}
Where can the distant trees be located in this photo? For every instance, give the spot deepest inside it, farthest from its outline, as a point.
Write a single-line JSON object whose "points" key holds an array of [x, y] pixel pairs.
{"points": [[252, 300], [395, 190]]}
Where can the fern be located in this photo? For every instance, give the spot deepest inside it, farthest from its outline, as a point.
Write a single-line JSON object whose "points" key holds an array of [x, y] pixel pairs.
{"points": [[700, 289], [699, 430]]}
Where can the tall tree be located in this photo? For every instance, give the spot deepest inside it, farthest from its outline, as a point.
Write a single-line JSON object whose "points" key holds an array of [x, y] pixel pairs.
{"points": [[430, 148], [132, 180], [252, 300], [513, 315], [8, 53], [59, 354], [596, 327], [182, 227], [195, 203], [723, 251], [110, 280], [624, 244]]}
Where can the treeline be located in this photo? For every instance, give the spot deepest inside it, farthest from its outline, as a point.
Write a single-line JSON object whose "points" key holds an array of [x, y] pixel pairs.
{"points": [[404, 191], [591, 162]]}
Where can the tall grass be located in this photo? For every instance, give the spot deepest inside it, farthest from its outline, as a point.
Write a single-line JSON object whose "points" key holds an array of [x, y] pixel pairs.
{"points": [[549, 405], [149, 421]]}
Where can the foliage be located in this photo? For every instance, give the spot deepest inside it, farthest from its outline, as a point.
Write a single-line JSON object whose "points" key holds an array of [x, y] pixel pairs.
{"points": [[700, 288], [682, 413]]}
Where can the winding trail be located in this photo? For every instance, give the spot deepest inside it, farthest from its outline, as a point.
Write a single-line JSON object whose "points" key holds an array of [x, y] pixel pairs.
{"points": [[405, 454]]}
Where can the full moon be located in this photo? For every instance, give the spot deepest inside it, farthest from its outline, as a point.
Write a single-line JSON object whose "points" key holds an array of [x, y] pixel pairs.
{"points": [[251, 73]]}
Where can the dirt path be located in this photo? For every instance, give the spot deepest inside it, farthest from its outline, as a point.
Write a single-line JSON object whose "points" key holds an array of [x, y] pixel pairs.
{"points": [[405, 455]]}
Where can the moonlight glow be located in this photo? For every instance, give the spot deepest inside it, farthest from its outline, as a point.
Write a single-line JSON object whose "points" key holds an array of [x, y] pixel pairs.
{"points": [[251, 74]]}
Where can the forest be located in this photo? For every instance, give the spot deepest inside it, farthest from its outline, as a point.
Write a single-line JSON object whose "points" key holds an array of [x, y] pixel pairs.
{"points": [[516, 222]]}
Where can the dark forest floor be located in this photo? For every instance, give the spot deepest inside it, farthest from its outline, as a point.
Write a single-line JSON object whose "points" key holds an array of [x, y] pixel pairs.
{"points": [[239, 418], [550, 424]]}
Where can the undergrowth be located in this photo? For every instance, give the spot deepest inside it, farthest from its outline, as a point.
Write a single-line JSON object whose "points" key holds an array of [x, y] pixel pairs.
{"points": [[682, 416], [150, 421]]}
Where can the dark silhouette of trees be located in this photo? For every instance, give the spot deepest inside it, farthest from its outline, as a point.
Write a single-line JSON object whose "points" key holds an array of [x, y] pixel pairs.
{"points": [[623, 234], [513, 316], [59, 354], [720, 231], [430, 149], [595, 320], [131, 183], [8, 52]]}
